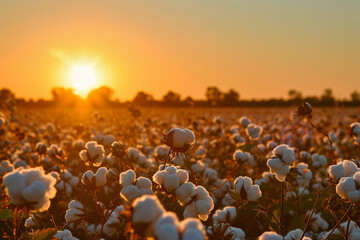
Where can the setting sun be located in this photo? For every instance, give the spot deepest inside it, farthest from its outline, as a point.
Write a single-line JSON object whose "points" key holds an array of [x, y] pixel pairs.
{"points": [[83, 79]]}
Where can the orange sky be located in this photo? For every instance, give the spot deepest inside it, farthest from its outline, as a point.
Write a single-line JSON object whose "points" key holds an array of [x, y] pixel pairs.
{"points": [[260, 48]]}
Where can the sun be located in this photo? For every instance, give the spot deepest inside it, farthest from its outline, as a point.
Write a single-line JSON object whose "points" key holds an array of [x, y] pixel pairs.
{"points": [[83, 79]]}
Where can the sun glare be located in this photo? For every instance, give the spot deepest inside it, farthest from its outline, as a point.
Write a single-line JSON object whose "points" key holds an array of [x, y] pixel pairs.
{"points": [[83, 79]]}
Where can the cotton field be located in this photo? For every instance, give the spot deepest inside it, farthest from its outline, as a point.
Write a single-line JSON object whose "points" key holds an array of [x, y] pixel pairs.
{"points": [[180, 174]]}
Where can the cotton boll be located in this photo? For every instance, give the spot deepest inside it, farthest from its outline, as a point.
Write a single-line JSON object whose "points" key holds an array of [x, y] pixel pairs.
{"points": [[184, 192], [281, 159], [270, 236], [130, 193], [100, 177], [75, 211], [65, 235], [244, 122], [192, 229], [210, 174], [146, 211], [317, 222], [170, 178], [343, 168], [31, 186], [167, 227], [246, 190], [237, 233], [94, 153], [179, 140], [30, 222], [5, 167], [201, 204], [295, 235], [348, 188], [253, 131], [226, 215], [127, 178]]}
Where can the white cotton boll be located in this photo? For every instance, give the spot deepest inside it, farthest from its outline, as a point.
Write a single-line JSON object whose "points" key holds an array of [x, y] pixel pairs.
{"points": [[253, 131], [143, 182], [192, 229], [210, 174], [130, 193], [127, 178], [225, 215], [180, 139], [171, 183], [183, 176], [245, 188], [295, 235], [237, 233], [201, 204], [190, 137], [30, 186], [100, 177], [146, 211], [65, 235], [281, 159], [317, 222], [133, 153], [108, 140], [198, 167], [34, 192], [87, 175], [94, 153], [347, 188], [244, 121], [29, 222], [288, 156], [343, 168], [269, 235], [167, 227], [184, 192], [227, 200], [5, 167], [75, 211]]}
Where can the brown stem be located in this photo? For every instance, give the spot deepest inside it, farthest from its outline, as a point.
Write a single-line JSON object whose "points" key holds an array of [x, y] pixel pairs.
{"points": [[337, 224], [218, 187], [326, 135], [313, 210], [339, 227], [84, 228]]}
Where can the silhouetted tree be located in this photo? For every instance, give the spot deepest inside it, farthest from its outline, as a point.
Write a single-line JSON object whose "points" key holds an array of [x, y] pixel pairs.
{"points": [[171, 98], [295, 96], [142, 98], [355, 96], [327, 98], [213, 95], [64, 96], [231, 98], [100, 96]]}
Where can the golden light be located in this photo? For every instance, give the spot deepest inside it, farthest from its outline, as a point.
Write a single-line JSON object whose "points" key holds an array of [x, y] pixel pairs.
{"points": [[83, 79]]}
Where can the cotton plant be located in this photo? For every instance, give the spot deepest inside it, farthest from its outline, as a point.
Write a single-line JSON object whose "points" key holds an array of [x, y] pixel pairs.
{"points": [[179, 140], [226, 215], [318, 223], [318, 161], [196, 200], [246, 190], [6, 167], [65, 180], [280, 161], [305, 174], [348, 188], [296, 235], [244, 158], [30, 187], [343, 168], [253, 131], [93, 154], [171, 178], [75, 212], [132, 187], [97, 180], [353, 231], [146, 211], [65, 235]]}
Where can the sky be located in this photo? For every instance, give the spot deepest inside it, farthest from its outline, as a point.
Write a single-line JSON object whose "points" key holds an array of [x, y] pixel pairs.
{"points": [[260, 48]]}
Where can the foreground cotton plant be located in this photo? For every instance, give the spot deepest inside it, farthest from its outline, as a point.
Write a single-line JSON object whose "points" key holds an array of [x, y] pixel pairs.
{"points": [[171, 178], [246, 190], [91, 180], [179, 140], [75, 212], [146, 211], [133, 188], [94, 153], [198, 204], [30, 187], [280, 162], [348, 188], [343, 168]]}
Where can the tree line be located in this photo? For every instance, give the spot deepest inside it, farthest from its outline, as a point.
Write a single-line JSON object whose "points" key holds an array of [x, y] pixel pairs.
{"points": [[103, 96]]}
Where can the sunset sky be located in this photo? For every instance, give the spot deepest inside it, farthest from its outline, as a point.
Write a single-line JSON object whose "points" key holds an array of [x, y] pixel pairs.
{"points": [[261, 48]]}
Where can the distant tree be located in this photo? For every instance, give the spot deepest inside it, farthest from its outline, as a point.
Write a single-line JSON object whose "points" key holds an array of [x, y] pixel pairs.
{"points": [[355, 96], [142, 98], [327, 97], [231, 98], [189, 101], [64, 96], [295, 96], [171, 97], [6, 96], [213, 95], [101, 96]]}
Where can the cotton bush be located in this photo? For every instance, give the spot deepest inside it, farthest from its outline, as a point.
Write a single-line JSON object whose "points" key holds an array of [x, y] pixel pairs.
{"points": [[30, 187]]}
